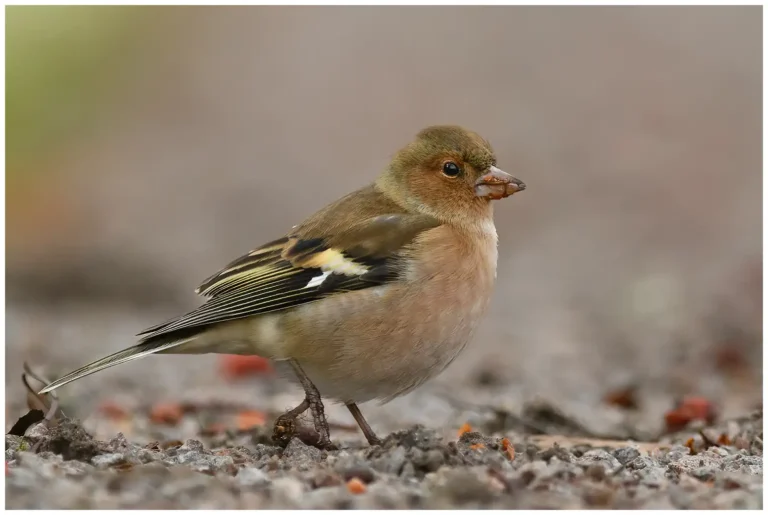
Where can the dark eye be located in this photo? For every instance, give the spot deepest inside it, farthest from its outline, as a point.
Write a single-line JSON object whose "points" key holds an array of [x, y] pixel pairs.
{"points": [[451, 169]]}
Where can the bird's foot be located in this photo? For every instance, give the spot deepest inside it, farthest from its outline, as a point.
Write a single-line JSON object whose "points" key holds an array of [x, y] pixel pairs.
{"points": [[315, 405], [287, 426]]}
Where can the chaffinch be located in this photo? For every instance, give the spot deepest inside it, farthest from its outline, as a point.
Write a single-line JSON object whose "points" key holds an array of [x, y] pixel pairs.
{"points": [[369, 297]]}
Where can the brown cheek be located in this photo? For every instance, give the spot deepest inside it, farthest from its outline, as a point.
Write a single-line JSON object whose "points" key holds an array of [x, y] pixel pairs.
{"points": [[441, 192], [419, 186]]}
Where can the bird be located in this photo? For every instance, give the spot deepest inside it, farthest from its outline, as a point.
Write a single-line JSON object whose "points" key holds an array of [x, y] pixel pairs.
{"points": [[368, 298]]}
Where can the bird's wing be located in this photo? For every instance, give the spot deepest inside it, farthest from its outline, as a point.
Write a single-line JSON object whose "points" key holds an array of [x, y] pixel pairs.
{"points": [[305, 266]]}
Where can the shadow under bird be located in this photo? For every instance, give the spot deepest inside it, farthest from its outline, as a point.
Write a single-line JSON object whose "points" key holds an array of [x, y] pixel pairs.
{"points": [[368, 298]]}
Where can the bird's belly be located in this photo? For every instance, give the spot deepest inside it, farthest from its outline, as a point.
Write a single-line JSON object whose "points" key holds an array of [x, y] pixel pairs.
{"points": [[383, 342]]}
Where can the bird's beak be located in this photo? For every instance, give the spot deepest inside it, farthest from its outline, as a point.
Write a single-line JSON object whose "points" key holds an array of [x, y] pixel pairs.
{"points": [[497, 184]]}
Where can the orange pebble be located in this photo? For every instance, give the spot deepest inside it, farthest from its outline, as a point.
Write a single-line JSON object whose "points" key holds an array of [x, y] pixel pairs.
{"points": [[508, 448], [168, 413], [249, 419], [113, 410], [233, 366], [355, 486], [700, 408], [691, 408], [466, 428], [623, 398]]}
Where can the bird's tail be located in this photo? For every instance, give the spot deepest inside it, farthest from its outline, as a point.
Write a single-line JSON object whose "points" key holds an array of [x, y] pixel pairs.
{"points": [[151, 346]]}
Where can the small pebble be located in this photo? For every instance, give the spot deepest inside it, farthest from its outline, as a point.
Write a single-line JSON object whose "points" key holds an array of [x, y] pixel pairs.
{"points": [[252, 476]]}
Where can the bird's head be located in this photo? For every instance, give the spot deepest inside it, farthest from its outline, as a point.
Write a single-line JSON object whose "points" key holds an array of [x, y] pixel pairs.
{"points": [[447, 172]]}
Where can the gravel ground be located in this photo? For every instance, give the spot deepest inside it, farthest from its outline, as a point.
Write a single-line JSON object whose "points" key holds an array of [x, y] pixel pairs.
{"points": [[626, 266], [414, 468]]}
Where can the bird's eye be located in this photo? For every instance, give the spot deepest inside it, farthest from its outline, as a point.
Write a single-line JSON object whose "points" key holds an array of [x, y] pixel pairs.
{"points": [[451, 169]]}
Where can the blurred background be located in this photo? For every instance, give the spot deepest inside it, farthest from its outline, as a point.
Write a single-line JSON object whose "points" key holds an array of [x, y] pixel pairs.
{"points": [[148, 146]]}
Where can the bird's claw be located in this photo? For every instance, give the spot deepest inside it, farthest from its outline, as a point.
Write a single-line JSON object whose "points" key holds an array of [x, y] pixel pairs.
{"points": [[286, 427]]}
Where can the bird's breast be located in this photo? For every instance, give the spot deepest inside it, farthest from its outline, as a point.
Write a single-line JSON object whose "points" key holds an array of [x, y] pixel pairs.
{"points": [[386, 340]]}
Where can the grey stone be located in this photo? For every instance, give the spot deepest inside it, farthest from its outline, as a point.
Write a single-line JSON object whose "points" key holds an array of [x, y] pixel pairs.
{"points": [[392, 462], [409, 471], [119, 443], [648, 471], [212, 464], [193, 445], [465, 485], [701, 466], [14, 444], [297, 451], [252, 476], [626, 454], [330, 498], [381, 496], [434, 460], [734, 480], [737, 500], [188, 457], [39, 430], [418, 436], [599, 456], [108, 460], [286, 492], [745, 464]]}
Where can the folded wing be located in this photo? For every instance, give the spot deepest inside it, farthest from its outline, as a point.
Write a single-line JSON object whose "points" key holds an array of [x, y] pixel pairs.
{"points": [[305, 266]]}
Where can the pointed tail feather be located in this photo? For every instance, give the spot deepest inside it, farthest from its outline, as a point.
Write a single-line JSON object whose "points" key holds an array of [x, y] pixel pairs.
{"points": [[123, 356]]}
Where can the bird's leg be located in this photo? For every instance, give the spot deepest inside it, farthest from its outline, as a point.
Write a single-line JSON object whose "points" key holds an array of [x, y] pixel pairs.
{"points": [[285, 425], [315, 404], [367, 431]]}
